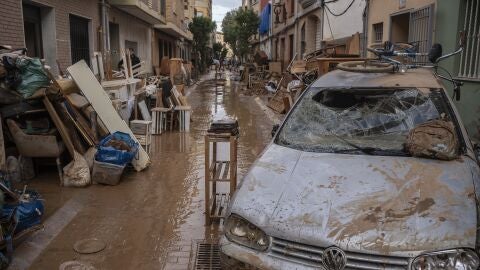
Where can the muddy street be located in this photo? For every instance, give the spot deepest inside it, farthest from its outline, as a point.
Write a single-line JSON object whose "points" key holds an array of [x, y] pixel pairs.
{"points": [[153, 218]]}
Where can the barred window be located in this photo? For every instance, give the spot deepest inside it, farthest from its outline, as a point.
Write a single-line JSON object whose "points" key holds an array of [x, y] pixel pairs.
{"points": [[469, 60], [378, 32]]}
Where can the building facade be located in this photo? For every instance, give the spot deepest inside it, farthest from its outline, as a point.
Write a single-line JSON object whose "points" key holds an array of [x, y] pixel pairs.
{"points": [[411, 21], [63, 30], [203, 8], [298, 27], [66, 31], [451, 18]]}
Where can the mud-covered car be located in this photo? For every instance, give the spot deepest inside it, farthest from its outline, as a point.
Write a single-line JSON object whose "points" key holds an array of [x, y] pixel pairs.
{"points": [[338, 188]]}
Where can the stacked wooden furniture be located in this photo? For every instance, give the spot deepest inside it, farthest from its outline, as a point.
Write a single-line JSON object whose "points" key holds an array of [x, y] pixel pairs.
{"points": [[179, 108], [142, 129], [219, 171]]}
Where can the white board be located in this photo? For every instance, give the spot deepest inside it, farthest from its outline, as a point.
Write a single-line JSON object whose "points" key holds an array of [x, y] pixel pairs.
{"points": [[101, 103]]}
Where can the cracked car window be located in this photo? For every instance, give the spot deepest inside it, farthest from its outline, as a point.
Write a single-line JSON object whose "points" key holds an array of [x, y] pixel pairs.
{"points": [[335, 120]]}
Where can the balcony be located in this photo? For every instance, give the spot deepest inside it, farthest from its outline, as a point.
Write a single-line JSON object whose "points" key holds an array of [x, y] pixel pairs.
{"points": [[306, 3], [147, 10], [174, 30]]}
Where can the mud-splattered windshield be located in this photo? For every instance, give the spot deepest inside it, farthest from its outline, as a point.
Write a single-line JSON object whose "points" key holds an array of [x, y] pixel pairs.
{"points": [[373, 121]]}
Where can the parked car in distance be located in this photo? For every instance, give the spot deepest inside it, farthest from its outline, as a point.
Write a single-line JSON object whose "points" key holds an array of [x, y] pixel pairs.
{"points": [[337, 189]]}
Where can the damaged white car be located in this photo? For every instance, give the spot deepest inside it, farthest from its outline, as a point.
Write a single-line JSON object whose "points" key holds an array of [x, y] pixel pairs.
{"points": [[367, 171]]}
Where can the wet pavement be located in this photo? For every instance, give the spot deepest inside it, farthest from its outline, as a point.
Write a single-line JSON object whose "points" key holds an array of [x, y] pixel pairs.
{"points": [[153, 218]]}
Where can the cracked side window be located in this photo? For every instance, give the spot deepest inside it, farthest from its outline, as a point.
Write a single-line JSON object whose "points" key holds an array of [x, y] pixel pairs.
{"points": [[343, 120]]}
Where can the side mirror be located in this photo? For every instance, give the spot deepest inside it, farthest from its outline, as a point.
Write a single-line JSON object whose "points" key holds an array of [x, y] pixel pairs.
{"points": [[274, 129]]}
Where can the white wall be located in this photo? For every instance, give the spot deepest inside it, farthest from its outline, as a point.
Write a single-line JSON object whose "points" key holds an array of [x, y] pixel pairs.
{"points": [[347, 24], [133, 29]]}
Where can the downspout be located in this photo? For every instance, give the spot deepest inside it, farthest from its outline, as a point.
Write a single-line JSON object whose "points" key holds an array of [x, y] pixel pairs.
{"points": [[104, 24], [365, 28]]}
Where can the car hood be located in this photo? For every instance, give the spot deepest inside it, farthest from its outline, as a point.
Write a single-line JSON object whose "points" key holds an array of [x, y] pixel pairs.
{"points": [[383, 204]]}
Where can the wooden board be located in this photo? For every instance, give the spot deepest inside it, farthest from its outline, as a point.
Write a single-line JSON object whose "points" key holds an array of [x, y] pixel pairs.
{"points": [[78, 101], [275, 67], [98, 98], [67, 86], [60, 126]]}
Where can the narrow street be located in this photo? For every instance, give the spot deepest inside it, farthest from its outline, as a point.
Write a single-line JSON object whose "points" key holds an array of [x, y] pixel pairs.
{"points": [[153, 218]]}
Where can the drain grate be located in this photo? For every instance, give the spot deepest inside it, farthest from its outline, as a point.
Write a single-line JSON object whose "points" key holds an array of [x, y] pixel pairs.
{"points": [[207, 256]]}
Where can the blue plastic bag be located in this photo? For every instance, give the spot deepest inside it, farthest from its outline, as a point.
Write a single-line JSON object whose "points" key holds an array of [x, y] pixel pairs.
{"points": [[28, 213], [115, 156]]}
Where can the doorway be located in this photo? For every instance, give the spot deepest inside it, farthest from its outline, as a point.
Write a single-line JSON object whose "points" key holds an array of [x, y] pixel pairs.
{"points": [[32, 25], [400, 26], [114, 44], [290, 38], [79, 40]]}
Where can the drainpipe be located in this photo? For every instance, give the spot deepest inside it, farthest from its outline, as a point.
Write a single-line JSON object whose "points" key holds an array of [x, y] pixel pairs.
{"points": [[365, 28], [104, 24]]}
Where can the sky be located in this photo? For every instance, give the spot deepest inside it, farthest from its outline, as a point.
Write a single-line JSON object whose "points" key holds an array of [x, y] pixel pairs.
{"points": [[221, 7]]}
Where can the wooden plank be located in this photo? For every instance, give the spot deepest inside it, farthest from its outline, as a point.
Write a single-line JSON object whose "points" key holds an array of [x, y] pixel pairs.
{"points": [[218, 171], [78, 101], [60, 126], [80, 123], [101, 103], [3, 166]]}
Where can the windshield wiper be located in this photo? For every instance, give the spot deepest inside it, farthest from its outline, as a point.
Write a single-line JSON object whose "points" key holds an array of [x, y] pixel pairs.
{"points": [[365, 150]]}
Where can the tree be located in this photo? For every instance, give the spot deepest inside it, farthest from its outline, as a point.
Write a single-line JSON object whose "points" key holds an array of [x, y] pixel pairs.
{"points": [[224, 53], [238, 26], [217, 50], [201, 28]]}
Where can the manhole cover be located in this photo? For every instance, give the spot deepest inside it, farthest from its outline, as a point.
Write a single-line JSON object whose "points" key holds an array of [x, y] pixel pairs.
{"points": [[76, 265], [89, 246], [207, 256]]}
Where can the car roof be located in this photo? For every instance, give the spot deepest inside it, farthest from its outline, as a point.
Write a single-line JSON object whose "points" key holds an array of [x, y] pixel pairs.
{"points": [[418, 78]]}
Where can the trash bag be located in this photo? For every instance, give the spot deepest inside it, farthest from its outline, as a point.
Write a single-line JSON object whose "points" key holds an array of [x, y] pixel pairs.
{"points": [[434, 139], [77, 172], [28, 211], [117, 148], [33, 76]]}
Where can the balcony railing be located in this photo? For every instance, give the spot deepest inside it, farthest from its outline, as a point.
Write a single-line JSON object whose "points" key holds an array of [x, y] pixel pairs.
{"points": [[147, 10], [306, 3]]}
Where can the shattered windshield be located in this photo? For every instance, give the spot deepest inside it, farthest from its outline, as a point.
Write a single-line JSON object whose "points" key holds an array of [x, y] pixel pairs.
{"points": [[366, 121]]}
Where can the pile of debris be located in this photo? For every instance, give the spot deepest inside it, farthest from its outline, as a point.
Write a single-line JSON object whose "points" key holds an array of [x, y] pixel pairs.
{"points": [[283, 87], [63, 119]]}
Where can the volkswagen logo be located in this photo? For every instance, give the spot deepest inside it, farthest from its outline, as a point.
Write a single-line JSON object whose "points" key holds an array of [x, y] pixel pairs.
{"points": [[334, 258]]}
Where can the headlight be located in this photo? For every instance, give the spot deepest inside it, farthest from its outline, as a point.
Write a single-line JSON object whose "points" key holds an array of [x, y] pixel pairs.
{"points": [[461, 259], [242, 232]]}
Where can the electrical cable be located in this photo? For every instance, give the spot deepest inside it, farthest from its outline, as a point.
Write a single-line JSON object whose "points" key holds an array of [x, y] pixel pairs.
{"points": [[329, 26], [341, 13]]}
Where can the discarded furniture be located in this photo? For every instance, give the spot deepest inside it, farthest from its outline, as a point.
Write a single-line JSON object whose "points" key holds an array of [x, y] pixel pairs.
{"points": [[183, 113], [218, 170], [142, 129], [101, 103], [326, 65], [159, 119], [37, 146]]}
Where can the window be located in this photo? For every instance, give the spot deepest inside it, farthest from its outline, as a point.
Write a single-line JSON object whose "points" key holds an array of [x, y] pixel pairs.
{"points": [[79, 39], [469, 60], [378, 32]]}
